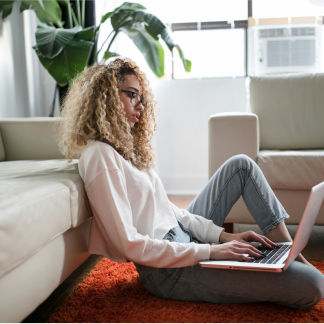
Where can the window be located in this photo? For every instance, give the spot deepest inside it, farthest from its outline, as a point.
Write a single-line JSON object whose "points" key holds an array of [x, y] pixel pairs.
{"points": [[215, 42], [184, 11], [214, 52]]}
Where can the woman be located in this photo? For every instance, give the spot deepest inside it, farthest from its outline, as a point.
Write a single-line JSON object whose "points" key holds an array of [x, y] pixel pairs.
{"points": [[109, 119]]}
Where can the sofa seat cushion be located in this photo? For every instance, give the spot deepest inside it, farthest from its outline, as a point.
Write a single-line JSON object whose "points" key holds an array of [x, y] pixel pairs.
{"points": [[39, 200], [299, 169]]}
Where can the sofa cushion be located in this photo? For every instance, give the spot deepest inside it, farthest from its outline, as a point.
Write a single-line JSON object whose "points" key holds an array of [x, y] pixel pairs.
{"points": [[31, 138], [300, 169], [290, 110], [39, 200]]}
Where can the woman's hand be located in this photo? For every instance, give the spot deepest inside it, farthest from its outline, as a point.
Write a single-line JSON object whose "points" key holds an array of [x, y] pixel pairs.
{"points": [[234, 250], [246, 237], [236, 245]]}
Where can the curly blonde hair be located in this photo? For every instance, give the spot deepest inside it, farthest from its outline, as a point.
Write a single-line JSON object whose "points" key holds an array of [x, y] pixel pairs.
{"points": [[92, 109]]}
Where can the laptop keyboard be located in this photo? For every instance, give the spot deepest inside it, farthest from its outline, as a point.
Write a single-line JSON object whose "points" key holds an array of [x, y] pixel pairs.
{"points": [[272, 256]]}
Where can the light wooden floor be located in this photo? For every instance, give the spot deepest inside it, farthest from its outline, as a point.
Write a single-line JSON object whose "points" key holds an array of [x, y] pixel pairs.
{"points": [[314, 251]]}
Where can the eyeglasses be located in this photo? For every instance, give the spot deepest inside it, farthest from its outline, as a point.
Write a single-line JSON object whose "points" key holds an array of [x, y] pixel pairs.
{"points": [[135, 98]]}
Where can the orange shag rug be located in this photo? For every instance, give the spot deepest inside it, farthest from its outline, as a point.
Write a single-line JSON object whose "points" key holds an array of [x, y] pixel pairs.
{"points": [[111, 292]]}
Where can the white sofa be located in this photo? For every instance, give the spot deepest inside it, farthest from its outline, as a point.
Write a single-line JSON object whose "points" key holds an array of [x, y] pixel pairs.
{"points": [[283, 132], [45, 216]]}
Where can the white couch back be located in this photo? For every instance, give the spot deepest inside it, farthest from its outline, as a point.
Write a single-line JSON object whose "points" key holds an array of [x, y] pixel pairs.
{"points": [[290, 109], [28, 139]]}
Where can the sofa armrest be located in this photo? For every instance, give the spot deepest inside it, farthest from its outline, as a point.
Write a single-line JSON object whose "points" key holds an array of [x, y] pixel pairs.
{"points": [[29, 138], [231, 134]]}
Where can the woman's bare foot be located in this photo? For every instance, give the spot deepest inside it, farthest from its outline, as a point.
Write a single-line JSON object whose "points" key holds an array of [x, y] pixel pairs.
{"points": [[301, 259]]}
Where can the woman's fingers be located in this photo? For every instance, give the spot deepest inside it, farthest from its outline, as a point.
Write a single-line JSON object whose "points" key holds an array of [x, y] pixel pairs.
{"points": [[239, 250], [246, 248], [256, 245], [240, 257], [250, 251], [262, 239], [265, 241], [253, 246]]}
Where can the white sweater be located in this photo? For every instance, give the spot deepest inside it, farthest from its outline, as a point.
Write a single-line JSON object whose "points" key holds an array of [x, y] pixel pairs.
{"points": [[132, 213]]}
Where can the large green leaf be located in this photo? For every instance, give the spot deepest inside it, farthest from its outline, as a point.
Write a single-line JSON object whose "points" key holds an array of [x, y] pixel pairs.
{"points": [[108, 55], [44, 60], [118, 21], [71, 61], [48, 12], [149, 47], [63, 2], [156, 27], [106, 16], [6, 10], [24, 6], [152, 24], [186, 63], [6, 2], [131, 6], [85, 34], [122, 13], [52, 9], [168, 39], [51, 41], [121, 19]]}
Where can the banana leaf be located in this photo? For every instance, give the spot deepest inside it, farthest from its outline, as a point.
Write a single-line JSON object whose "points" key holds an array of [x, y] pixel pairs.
{"points": [[51, 41], [108, 55], [49, 12], [71, 61], [151, 49], [128, 17], [6, 10]]}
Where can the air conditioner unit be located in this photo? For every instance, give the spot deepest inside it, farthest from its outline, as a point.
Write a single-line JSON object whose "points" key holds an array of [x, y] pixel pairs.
{"points": [[287, 48]]}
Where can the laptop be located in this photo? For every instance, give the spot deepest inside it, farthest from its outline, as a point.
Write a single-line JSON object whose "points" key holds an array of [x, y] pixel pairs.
{"points": [[279, 259]]}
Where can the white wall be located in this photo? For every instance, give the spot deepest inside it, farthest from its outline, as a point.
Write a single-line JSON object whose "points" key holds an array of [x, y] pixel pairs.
{"points": [[181, 142]]}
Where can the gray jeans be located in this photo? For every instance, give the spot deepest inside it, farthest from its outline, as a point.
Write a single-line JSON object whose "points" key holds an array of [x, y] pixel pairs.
{"points": [[300, 286]]}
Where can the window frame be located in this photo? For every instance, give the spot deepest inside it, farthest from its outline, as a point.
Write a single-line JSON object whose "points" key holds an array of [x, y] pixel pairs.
{"points": [[213, 25]]}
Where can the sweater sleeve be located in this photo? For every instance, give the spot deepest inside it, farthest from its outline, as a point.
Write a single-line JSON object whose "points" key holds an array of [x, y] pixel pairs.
{"points": [[111, 208], [201, 228]]}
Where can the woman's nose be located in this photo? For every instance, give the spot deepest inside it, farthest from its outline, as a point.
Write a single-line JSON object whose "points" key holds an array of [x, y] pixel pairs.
{"points": [[140, 107]]}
